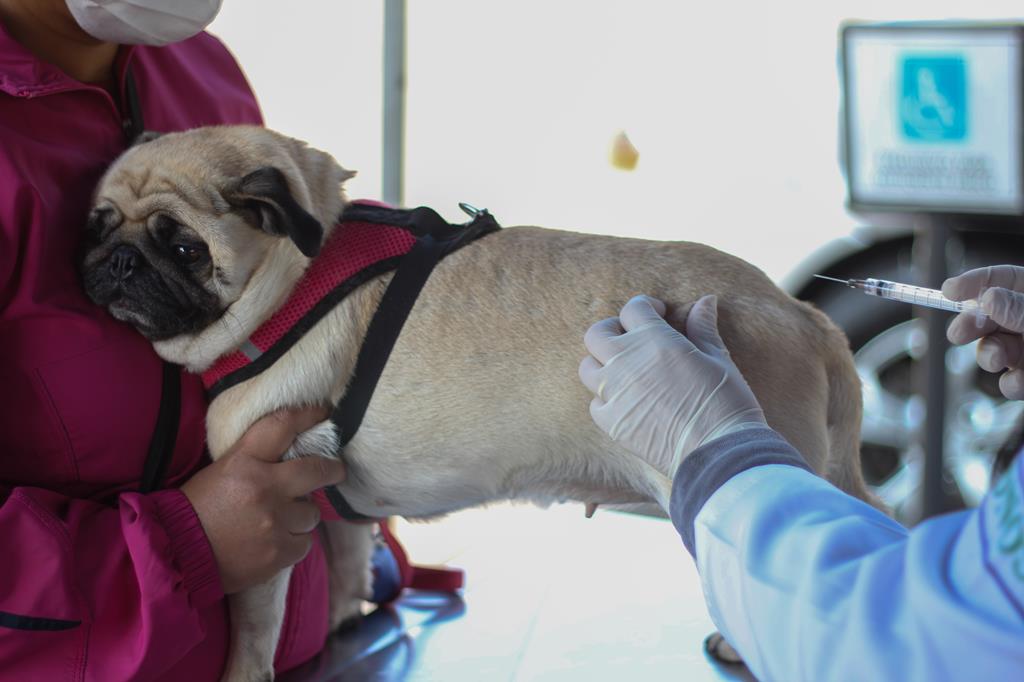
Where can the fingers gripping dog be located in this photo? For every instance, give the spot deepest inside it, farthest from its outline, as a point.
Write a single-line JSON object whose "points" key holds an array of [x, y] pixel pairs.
{"points": [[198, 238]]}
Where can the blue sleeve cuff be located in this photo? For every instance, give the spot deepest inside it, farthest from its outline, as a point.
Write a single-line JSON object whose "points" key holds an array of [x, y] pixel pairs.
{"points": [[707, 468]]}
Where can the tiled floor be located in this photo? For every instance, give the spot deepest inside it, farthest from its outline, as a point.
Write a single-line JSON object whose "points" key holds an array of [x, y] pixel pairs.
{"points": [[550, 595]]}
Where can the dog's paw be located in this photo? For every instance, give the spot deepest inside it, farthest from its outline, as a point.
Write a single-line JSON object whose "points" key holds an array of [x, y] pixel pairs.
{"points": [[248, 675], [351, 590], [721, 650], [321, 440], [248, 665], [344, 612]]}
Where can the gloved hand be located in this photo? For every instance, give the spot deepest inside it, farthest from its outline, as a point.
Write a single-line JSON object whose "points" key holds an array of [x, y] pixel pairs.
{"points": [[661, 394], [1000, 291]]}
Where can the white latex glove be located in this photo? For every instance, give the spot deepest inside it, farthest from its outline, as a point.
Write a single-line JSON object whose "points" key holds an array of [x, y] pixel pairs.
{"points": [[1000, 291], [661, 394]]}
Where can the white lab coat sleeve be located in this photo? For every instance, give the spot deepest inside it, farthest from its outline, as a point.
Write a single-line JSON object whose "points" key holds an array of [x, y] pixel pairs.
{"points": [[808, 583]]}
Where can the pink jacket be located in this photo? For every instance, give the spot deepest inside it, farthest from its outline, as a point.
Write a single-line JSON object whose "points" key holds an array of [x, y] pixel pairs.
{"points": [[98, 582]]}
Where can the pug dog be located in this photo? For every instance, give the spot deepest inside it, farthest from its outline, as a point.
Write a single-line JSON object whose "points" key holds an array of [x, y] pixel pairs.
{"points": [[480, 399]]}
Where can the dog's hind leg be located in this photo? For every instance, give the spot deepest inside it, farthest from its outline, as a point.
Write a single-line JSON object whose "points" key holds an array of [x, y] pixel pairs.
{"points": [[721, 650]]}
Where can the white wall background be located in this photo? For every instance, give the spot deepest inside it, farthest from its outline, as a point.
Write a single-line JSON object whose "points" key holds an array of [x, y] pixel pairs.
{"points": [[513, 105]]}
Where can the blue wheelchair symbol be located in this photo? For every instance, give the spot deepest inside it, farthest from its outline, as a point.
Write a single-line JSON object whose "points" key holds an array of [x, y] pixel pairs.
{"points": [[934, 102]]}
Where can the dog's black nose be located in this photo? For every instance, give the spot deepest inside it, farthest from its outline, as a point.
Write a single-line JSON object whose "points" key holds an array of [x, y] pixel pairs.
{"points": [[123, 262]]}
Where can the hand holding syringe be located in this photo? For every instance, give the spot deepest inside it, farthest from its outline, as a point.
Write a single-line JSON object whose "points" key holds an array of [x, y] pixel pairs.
{"points": [[1000, 291], [990, 303]]}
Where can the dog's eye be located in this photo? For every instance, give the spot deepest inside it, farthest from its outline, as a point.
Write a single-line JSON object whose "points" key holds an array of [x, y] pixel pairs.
{"points": [[189, 254]]}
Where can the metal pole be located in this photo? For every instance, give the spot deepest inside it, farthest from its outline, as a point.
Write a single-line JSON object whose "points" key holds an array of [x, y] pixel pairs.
{"points": [[931, 377], [394, 103]]}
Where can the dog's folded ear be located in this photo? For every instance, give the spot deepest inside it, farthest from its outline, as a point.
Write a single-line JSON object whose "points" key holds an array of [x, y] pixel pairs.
{"points": [[102, 219], [264, 197]]}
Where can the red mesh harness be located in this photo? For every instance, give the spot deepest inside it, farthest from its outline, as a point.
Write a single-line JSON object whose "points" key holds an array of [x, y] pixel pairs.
{"points": [[358, 250], [369, 240]]}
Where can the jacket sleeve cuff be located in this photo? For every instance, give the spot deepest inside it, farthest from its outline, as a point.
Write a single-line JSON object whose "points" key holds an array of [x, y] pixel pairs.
{"points": [[190, 547], [708, 468]]}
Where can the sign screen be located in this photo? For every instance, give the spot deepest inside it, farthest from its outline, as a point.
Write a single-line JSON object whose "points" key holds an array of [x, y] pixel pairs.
{"points": [[933, 118]]}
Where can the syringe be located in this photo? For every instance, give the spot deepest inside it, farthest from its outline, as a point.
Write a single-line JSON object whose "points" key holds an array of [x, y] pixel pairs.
{"points": [[907, 293]]}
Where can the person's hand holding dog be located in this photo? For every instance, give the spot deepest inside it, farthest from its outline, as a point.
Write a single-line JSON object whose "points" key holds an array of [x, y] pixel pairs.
{"points": [[253, 506], [662, 394], [1000, 291]]}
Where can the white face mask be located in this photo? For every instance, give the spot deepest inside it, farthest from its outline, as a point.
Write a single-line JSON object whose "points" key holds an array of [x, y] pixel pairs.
{"points": [[143, 22]]}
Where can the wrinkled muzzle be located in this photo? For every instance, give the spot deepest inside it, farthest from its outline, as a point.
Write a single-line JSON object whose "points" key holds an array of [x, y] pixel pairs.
{"points": [[154, 298]]}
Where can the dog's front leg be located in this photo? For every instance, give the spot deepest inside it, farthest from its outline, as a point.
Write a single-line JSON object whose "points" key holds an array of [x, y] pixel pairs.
{"points": [[257, 614], [256, 618], [349, 548], [319, 441]]}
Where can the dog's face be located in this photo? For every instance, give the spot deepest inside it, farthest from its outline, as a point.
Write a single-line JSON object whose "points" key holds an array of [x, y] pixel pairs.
{"points": [[180, 224]]}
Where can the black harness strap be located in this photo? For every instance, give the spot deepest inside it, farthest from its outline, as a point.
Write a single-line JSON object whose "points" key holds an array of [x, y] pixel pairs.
{"points": [[404, 219], [414, 270], [165, 433]]}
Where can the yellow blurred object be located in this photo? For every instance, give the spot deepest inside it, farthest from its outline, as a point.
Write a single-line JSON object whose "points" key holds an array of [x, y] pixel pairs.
{"points": [[624, 155]]}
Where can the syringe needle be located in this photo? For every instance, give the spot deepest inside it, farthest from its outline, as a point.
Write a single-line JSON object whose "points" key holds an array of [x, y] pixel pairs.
{"points": [[833, 279]]}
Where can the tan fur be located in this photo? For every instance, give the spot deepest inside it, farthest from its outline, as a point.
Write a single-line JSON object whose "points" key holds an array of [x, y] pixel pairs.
{"points": [[480, 400]]}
